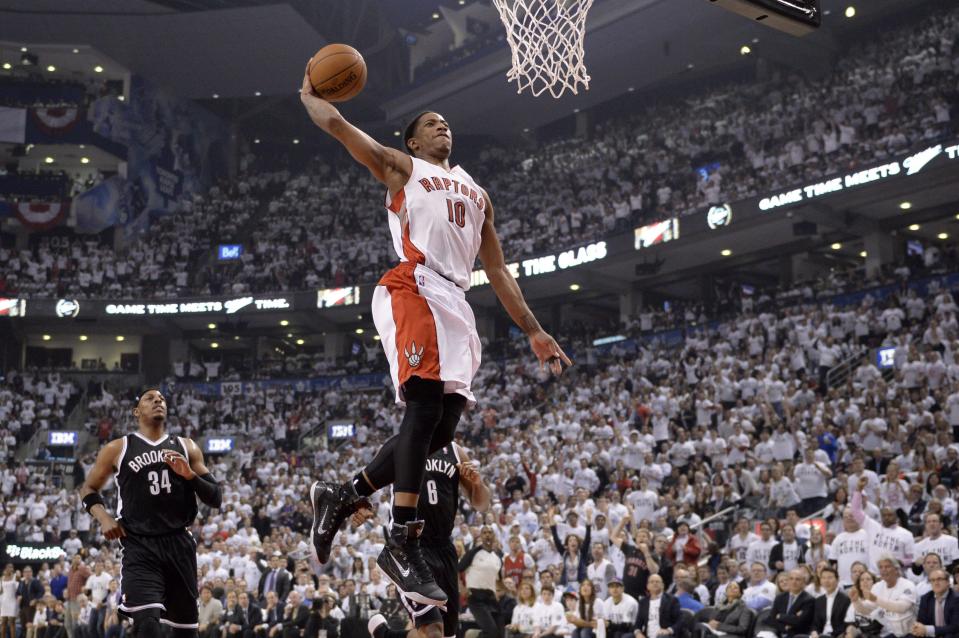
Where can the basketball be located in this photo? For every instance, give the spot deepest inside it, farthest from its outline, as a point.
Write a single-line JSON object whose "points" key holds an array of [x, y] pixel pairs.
{"points": [[337, 72]]}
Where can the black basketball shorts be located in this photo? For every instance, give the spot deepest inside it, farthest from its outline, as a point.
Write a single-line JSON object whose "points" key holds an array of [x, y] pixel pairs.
{"points": [[158, 578], [442, 562]]}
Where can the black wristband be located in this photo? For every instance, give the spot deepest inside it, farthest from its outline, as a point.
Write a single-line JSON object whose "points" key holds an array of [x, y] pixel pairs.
{"points": [[92, 499]]}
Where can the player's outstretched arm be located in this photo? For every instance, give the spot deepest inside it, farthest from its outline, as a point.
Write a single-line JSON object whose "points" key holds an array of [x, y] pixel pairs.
{"points": [[196, 473], [472, 482], [507, 291], [388, 165], [100, 473]]}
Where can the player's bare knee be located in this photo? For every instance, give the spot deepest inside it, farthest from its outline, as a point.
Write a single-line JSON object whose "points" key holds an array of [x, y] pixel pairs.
{"points": [[434, 630]]}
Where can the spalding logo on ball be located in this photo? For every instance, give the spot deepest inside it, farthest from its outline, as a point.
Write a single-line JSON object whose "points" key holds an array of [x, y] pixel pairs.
{"points": [[337, 72]]}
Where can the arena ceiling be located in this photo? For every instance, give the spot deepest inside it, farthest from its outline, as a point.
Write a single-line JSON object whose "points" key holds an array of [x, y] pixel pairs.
{"points": [[236, 48]]}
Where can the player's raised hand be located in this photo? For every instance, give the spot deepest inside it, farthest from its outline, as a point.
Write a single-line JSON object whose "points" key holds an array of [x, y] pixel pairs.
{"points": [[548, 352], [306, 91], [179, 464]]}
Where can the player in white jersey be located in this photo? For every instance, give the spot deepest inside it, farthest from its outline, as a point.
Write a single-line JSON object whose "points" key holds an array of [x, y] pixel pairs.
{"points": [[441, 220]]}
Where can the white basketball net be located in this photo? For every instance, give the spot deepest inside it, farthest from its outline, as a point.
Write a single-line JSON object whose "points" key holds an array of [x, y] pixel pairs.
{"points": [[546, 39]]}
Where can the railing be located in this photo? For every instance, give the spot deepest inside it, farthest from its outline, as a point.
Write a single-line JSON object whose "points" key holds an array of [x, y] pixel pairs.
{"points": [[839, 373]]}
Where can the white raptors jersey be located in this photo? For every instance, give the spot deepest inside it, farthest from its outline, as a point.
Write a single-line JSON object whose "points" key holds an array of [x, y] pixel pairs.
{"points": [[437, 220]]}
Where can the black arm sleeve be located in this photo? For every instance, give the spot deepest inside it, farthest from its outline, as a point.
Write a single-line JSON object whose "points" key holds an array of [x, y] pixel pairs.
{"points": [[207, 490]]}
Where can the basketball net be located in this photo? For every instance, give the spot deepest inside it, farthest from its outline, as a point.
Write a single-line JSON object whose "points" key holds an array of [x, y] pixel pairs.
{"points": [[546, 40]]}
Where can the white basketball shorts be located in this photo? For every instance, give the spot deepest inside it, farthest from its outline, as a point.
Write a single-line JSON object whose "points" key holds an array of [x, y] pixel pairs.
{"points": [[427, 329]]}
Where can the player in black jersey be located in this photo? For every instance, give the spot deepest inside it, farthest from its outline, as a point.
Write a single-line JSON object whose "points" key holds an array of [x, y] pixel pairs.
{"points": [[448, 470], [159, 479]]}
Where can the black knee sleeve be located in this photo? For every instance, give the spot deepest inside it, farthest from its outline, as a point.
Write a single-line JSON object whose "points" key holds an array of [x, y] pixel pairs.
{"points": [[381, 470], [453, 406], [148, 627], [424, 409]]}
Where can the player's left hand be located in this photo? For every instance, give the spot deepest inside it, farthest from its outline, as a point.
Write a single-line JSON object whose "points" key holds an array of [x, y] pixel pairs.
{"points": [[548, 352], [469, 471], [179, 464], [364, 512]]}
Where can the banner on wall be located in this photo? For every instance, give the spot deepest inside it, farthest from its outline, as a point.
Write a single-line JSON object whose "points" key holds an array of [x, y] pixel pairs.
{"points": [[174, 149], [103, 206], [42, 215]]}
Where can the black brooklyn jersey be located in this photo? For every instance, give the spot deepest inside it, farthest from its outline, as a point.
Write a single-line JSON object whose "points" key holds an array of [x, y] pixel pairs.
{"points": [[152, 499], [440, 496]]}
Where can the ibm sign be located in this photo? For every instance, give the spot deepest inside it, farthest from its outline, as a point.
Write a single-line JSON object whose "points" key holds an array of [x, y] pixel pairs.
{"points": [[63, 438], [219, 445]]}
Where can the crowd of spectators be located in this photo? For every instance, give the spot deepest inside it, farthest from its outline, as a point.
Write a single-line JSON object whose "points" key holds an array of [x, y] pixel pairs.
{"points": [[607, 484], [319, 226]]}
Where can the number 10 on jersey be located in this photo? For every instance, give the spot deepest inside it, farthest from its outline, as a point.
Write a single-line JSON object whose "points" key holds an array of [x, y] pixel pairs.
{"points": [[457, 212]]}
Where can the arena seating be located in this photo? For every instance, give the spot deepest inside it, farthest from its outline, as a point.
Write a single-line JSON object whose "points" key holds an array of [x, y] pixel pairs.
{"points": [[302, 229]]}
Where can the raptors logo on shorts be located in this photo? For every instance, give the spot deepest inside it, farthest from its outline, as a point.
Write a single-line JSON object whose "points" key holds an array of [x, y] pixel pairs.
{"points": [[413, 356], [426, 327]]}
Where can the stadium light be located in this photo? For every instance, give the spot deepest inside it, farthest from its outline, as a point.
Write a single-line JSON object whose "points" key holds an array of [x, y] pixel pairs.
{"points": [[863, 254], [48, 160], [914, 227], [216, 96], [7, 66], [211, 326], [745, 50], [574, 287], [943, 235], [836, 246], [120, 337], [51, 68], [256, 141], [76, 50], [436, 15], [257, 94], [296, 140], [726, 252], [83, 337], [98, 69], [376, 337], [905, 205], [236, 337], [300, 342], [359, 331], [214, 345], [24, 49], [46, 337], [850, 11], [84, 160], [284, 322], [289, 335]]}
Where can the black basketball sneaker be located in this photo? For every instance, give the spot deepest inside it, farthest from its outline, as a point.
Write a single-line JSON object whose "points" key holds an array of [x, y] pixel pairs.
{"points": [[402, 562], [332, 504]]}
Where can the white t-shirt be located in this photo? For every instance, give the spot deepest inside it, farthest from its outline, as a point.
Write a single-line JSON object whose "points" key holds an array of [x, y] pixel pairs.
{"points": [[946, 547], [895, 622], [888, 540], [523, 618], [99, 586], [848, 548], [551, 615], [621, 613], [759, 551], [739, 546], [810, 482]]}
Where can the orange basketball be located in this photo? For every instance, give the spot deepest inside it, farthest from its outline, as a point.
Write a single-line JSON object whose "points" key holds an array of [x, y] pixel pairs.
{"points": [[337, 72]]}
